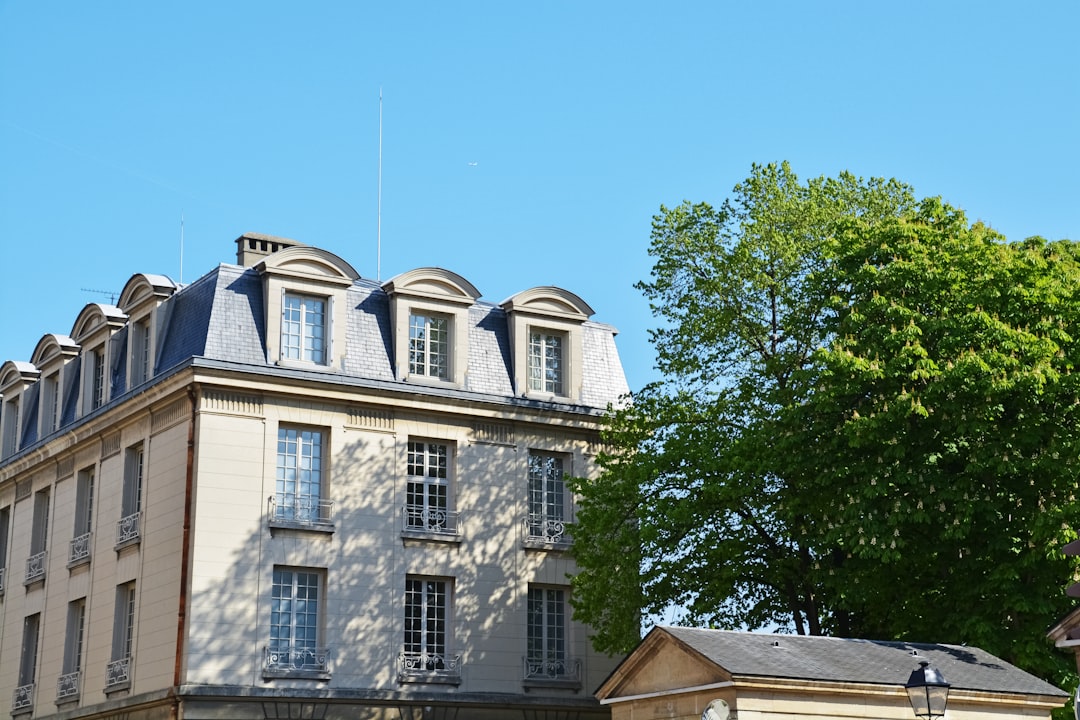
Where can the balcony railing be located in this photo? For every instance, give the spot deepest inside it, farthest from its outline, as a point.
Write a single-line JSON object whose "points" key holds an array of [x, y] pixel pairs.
{"points": [[118, 672], [429, 668], [295, 660], [67, 687], [436, 521], [23, 700], [35, 567], [128, 529], [80, 549], [553, 669], [541, 531], [287, 509]]}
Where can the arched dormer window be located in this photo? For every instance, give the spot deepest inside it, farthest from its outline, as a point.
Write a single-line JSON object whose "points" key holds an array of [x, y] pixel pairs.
{"points": [[304, 289], [52, 357], [92, 330], [139, 301], [545, 340], [429, 313], [15, 379]]}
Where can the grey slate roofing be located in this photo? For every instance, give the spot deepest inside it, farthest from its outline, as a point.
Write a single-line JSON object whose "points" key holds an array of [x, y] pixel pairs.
{"points": [[804, 657], [221, 318]]}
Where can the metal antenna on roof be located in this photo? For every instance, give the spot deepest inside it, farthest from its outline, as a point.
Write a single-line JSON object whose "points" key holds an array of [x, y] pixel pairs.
{"points": [[378, 212], [181, 247], [110, 293]]}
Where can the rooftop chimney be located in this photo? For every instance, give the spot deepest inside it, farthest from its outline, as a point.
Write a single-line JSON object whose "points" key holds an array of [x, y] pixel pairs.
{"points": [[253, 247]]}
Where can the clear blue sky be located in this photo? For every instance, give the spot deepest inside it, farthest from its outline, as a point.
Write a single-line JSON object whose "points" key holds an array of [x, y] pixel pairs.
{"points": [[524, 143]]}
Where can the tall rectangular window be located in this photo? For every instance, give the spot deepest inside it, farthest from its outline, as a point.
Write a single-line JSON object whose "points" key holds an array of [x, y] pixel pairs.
{"points": [[118, 671], [5, 529], [11, 426], [24, 692], [67, 685], [50, 404], [84, 513], [39, 537], [299, 481], [140, 352], [130, 526], [429, 346], [97, 393], [546, 521], [295, 622], [545, 365], [426, 607], [427, 506], [546, 618], [303, 328]]}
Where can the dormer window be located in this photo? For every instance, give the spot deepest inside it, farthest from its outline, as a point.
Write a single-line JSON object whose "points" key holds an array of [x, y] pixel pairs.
{"points": [[10, 427], [93, 331], [17, 381], [97, 372], [429, 346], [305, 289], [303, 328], [51, 357], [546, 342], [142, 296], [429, 312], [546, 366]]}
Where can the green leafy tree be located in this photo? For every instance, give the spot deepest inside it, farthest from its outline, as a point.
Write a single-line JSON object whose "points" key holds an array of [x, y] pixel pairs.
{"points": [[867, 426], [688, 511]]}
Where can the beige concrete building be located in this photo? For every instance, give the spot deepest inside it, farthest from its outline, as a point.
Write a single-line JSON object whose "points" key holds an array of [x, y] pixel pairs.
{"points": [[678, 673], [286, 491]]}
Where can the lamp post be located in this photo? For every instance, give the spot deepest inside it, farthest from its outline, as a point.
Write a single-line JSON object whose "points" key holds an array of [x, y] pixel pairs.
{"points": [[927, 691]]}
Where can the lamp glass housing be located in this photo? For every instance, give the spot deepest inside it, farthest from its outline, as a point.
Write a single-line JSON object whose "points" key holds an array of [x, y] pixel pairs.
{"points": [[927, 691]]}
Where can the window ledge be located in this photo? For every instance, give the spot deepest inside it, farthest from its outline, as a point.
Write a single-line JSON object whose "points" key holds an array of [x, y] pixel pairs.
{"points": [[546, 545], [132, 542], [78, 563], [118, 687], [321, 528], [565, 684], [431, 536], [305, 365], [429, 678], [269, 674]]}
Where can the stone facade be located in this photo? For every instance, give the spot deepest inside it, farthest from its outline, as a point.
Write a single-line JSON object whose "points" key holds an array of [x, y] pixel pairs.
{"points": [[287, 491]]}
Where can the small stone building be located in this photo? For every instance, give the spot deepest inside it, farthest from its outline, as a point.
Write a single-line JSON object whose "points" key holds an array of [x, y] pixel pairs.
{"points": [[677, 672]]}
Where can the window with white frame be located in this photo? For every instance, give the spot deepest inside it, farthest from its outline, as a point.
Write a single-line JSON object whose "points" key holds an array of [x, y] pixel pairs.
{"points": [[546, 630], [97, 370], [84, 513], [118, 671], [429, 346], [67, 685], [5, 528], [296, 623], [427, 607], [140, 353], [11, 426], [299, 481], [129, 529], [547, 371], [24, 691], [547, 499], [303, 328], [427, 496], [39, 537]]}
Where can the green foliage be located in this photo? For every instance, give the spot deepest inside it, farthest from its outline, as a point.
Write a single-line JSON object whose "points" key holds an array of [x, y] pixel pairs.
{"points": [[867, 426]]}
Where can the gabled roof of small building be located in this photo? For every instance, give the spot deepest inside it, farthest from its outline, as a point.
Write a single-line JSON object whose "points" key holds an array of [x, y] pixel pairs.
{"points": [[830, 659]]}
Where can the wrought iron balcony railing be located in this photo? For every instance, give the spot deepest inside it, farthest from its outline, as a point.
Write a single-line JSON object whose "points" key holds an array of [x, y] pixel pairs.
{"points": [[23, 700], [295, 660], [436, 521], [67, 687], [542, 531], [429, 667], [288, 509], [128, 529], [80, 549], [118, 672], [553, 669], [35, 567]]}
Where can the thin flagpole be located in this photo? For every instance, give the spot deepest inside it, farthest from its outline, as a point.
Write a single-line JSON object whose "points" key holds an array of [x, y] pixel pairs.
{"points": [[378, 232], [181, 247]]}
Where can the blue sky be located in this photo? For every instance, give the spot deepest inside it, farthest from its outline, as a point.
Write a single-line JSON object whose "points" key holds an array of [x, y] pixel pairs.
{"points": [[524, 144]]}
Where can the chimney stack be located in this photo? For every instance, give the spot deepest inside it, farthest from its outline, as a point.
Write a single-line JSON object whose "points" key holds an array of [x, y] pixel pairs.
{"points": [[253, 247]]}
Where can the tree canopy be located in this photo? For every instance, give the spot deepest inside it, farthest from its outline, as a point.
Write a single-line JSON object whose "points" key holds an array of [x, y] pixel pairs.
{"points": [[867, 426]]}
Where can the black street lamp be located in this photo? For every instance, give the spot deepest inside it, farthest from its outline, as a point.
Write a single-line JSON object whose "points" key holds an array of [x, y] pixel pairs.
{"points": [[927, 691]]}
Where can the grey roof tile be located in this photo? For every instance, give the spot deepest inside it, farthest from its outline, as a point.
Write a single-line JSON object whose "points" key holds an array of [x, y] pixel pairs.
{"points": [[860, 661]]}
